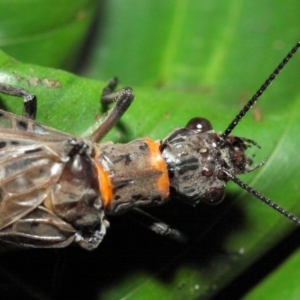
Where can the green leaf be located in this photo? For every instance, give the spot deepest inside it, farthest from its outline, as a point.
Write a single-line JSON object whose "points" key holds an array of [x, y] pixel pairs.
{"points": [[48, 33], [276, 285]]}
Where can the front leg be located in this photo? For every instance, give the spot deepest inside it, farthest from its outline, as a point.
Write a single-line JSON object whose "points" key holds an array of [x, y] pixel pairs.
{"points": [[122, 99], [30, 102]]}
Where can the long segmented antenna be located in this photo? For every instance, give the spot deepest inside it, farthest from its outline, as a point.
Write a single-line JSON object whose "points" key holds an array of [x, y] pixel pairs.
{"points": [[259, 92], [261, 197]]}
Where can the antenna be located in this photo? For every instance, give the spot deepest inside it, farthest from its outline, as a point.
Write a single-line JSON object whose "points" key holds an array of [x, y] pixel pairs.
{"points": [[261, 197], [238, 118], [259, 92]]}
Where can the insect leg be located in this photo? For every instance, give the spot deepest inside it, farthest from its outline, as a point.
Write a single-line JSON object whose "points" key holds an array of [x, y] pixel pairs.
{"points": [[122, 100], [156, 225], [106, 92], [30, 103]]}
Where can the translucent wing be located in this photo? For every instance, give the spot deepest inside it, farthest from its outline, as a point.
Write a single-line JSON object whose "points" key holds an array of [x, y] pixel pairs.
{"points": [[38, 228], [32, 158], [49, 188]]}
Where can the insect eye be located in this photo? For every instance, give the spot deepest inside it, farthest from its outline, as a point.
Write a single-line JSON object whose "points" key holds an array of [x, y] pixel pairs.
{"points": [[199, 125], [214, 196]]}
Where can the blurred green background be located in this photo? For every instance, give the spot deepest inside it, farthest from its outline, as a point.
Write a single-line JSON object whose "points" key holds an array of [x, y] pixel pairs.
{"points": [[182, 59]]}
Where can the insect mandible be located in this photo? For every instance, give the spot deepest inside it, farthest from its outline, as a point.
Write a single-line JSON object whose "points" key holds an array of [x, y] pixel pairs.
{"points": [[57, 189]]}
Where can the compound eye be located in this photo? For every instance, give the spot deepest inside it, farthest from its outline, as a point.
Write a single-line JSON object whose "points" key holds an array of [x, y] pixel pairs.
{"points": [[199, 125], [214, 196]]}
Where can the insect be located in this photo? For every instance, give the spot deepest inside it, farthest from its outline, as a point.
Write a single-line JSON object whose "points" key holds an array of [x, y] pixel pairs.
{"points": [[56, 189]]}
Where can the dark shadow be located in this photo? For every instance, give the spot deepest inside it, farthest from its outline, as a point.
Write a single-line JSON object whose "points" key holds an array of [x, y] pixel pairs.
{"points": [[128, 248], [260, 269]]}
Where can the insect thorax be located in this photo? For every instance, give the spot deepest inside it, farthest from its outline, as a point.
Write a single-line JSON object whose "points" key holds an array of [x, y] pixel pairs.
{"points": [[138, 174]]}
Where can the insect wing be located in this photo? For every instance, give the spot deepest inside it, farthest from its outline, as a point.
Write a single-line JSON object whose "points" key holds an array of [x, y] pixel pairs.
{"points": [[27, 172], [30, 164]]}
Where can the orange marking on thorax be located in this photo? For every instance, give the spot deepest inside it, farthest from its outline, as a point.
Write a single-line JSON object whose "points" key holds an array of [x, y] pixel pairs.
{"points": [[158, 164], [105, 185]]}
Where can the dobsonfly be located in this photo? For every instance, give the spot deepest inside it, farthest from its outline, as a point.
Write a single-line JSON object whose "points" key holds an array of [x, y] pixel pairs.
{"points": [[56, 189]]}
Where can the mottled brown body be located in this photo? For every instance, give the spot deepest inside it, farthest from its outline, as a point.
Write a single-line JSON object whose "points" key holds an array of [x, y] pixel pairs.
{"points": [[55, 189], [138, 174]]}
